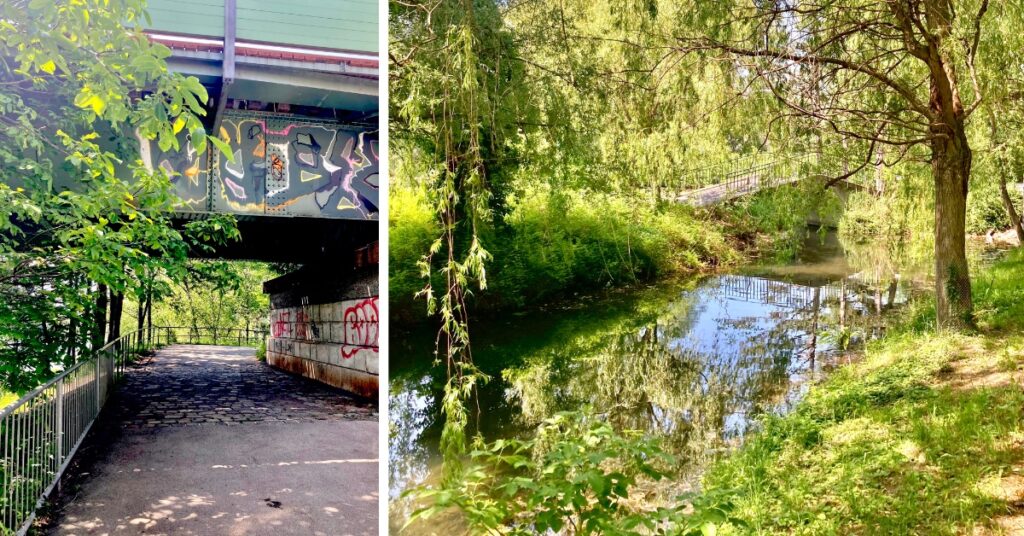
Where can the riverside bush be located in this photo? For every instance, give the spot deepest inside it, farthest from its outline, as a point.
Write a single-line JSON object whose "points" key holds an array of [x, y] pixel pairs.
{"points": [[575, 476], [553, 244], [411, 230]]}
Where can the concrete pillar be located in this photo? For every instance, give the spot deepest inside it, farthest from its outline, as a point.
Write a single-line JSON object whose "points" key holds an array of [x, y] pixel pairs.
{"points": [[324, 322]]}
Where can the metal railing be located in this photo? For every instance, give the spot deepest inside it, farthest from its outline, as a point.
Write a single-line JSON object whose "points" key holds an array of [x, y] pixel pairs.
{"points": [[40, 433], [747, 175], [210, 335]]}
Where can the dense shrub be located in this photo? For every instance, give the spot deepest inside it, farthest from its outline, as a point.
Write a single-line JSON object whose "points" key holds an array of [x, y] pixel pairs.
{"points": [[985, 209], [411, 229], [552, 244]]}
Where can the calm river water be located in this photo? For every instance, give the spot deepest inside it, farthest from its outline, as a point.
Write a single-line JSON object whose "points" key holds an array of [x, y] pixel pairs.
{"points": [[694, 362]]}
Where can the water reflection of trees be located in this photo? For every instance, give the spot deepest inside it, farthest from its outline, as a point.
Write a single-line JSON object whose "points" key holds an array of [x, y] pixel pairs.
{"points": [[697, 390], [410, 412]]}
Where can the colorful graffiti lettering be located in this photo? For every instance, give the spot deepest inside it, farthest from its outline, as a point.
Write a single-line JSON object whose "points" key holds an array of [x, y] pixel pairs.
{"points": [[187, 170], [277, 167], [361, 325], [299, 169]]}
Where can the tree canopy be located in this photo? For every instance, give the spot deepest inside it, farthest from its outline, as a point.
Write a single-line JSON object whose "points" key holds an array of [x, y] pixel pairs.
{"points": [[79, 213]]}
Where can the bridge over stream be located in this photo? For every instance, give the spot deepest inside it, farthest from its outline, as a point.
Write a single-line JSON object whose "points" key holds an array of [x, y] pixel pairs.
{"points": [[711, 185]]}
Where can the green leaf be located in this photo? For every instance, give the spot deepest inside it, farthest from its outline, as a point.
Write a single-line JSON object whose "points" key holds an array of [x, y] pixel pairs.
{"points": [[199, 138], [193, 85], [223, 147]]}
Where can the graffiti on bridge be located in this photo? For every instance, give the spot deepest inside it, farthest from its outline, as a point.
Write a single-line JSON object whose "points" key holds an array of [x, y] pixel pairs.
{"points": [[348, 330], [361, 325], [277, 167], [188, 170], [297, 169]]}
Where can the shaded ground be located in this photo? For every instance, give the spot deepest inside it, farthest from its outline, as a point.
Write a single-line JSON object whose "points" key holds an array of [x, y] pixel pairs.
{"points": [[206, 440]]}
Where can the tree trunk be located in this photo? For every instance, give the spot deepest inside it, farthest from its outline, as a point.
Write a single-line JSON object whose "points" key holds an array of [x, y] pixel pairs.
{"points": [[116, 307], [140, 313], [1011, 211], [1001, 168], [99, 317], [72, 341], [951, 170], [149, 313]]}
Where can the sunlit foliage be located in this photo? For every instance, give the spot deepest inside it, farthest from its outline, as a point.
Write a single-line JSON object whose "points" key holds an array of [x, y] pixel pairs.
{"points": [[79, 214]]}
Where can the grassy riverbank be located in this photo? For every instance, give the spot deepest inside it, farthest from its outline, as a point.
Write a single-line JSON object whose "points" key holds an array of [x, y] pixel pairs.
{"points": [[925, 435], [550, 246]]}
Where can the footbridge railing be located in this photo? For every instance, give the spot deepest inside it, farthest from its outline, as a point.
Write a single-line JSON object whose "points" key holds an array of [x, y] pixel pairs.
{"points": [[796, 296], [720, 182], [40, 433], [212, 335]]}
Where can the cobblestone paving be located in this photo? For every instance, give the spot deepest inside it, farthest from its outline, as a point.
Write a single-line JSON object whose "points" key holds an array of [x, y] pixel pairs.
{"points": [[197, 385], [206, 440]]}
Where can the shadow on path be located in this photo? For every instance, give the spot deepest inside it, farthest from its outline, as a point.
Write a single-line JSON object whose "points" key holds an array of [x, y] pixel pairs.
{"points": [[205, 440]]}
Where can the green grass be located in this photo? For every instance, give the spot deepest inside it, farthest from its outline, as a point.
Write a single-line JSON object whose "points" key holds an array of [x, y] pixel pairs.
{"points": [[915, 439]]}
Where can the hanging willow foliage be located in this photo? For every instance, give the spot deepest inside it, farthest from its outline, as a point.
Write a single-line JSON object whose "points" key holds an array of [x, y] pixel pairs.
{"points": [[450, 92]]}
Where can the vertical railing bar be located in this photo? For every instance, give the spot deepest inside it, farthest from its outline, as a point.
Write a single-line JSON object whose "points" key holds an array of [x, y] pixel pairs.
{"points": [[26, 434], [16, 499], [56, 434], [9, 457], [25, 460], [6, 423], [5, 436], [18, 489], [72, 414], [46, 457], [33, 458], [64, 421], [82, 401], [58, 426], [23, 477], [30, 432], [15, 476], [27, 466], [37, 447]]}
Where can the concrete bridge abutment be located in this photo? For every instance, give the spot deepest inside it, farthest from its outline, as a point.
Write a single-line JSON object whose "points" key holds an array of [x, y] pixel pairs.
{"points": [[324, 322]]}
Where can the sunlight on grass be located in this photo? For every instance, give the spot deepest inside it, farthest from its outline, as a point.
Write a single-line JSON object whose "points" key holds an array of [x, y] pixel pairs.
{"points": [[922, 436]]}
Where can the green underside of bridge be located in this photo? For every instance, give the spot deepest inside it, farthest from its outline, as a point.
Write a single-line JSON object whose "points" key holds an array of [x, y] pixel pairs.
{"points": [[335, 24]]}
